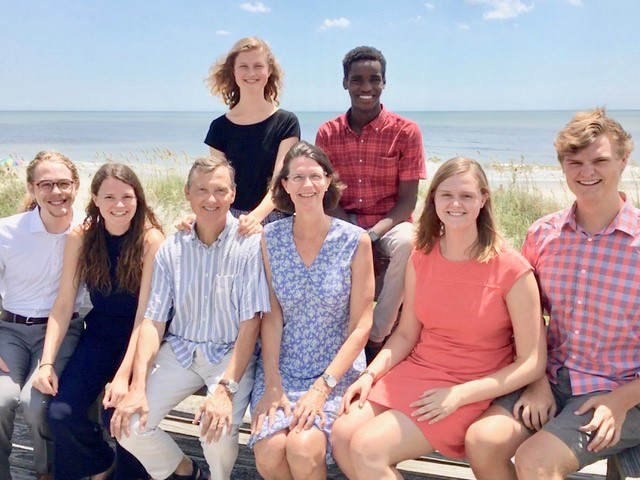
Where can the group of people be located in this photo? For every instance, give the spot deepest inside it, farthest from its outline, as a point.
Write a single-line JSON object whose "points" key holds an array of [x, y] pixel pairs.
{"points": [[266, 297]]}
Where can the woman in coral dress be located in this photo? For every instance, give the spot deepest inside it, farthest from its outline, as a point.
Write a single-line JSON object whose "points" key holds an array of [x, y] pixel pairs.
{"points": [[470, 331]]}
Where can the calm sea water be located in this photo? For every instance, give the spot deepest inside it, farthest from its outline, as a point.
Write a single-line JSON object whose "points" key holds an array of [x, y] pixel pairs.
{"points": [[86, 136]]}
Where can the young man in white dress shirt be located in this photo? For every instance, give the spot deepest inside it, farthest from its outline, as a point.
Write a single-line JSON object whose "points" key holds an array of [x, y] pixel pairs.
{"points": [[215, 282], [31, 250]]}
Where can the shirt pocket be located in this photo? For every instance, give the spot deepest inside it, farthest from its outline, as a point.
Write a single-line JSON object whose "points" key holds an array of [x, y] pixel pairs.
{"points": [[225, 303]]}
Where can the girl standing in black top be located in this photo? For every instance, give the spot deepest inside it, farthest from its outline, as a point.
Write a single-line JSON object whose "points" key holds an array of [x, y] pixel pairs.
{"points": [[255, 134]]}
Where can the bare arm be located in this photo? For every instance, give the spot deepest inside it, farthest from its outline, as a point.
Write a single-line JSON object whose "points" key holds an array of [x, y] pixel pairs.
{"points": [[397, 348], [402, 210], [266, 205], [406, 335], [271, 338], [216, 412], [119, 386], [361, 309], [46, 379], [135, 401]]}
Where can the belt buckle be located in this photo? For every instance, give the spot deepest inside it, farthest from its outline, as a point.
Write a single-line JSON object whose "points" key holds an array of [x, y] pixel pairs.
{"points": [[28, 321]]}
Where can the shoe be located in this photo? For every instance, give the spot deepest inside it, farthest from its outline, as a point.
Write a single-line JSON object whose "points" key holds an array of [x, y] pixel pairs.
{"points": [[197, 474]]}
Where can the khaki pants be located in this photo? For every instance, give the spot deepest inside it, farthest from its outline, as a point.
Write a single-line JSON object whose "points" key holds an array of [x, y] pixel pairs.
{"points": [[169, 384], [396, 244]]}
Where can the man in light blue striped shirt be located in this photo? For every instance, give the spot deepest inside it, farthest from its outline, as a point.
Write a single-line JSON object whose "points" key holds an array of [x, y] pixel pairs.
{"points": [[215, 282]]}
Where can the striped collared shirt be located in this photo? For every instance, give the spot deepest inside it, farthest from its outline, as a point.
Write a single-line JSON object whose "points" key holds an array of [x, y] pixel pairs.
{"points": [[590, 286], [212, 289]]}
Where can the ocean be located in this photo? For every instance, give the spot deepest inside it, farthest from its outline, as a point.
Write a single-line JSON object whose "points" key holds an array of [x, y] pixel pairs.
{"points": [[502, 137]]}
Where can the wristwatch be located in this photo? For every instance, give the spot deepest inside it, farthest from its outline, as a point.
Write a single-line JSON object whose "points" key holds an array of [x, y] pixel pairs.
{"points": [[330, 380], [230, 385], [373, 236]]}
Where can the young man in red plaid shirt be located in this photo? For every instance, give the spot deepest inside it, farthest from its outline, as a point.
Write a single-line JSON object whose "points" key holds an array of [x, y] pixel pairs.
{"points": [[586, 260], [380, 157]]}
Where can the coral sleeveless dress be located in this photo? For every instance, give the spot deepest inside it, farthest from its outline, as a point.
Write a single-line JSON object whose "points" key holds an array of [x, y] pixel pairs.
{"points": [[466, 334]]}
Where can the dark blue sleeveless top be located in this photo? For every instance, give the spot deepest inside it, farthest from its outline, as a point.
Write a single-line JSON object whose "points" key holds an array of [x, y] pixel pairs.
{"points": [[119, 306]]}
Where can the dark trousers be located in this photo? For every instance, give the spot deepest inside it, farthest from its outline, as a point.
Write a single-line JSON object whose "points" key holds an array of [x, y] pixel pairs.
{"points": [[81, 449]]}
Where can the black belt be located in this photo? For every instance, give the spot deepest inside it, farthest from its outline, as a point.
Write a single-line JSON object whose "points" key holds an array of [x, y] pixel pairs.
{"points": [[15, 318]]}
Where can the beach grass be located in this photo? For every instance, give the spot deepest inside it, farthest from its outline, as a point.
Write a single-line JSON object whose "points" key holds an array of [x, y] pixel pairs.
{"points": [[12, 192], [516, 207], [166, 196]]}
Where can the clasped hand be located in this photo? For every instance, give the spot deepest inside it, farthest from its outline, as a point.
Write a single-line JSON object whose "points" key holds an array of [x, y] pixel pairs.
{"points": [[310, 405], [272, 399], [436, 404], [215, 414], [608, 416]]}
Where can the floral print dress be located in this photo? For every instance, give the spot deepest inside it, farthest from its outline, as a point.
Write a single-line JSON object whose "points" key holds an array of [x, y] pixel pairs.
{"points": [[315, 304]]}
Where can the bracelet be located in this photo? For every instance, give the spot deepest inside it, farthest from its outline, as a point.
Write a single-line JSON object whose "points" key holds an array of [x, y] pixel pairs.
{"points": [[320, 390], [366, 371], [43, 364]]}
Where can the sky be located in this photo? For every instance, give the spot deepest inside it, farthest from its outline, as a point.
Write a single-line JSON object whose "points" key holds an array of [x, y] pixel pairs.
{"points": [[441, 54]]}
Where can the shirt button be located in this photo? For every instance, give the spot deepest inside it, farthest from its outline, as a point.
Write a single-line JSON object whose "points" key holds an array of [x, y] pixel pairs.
{"points": [[589, 239], [574, 356], [579, 302], [577, 332], [362, 141], [360, 160], [360, 200], [583, 271], [359, 180]]}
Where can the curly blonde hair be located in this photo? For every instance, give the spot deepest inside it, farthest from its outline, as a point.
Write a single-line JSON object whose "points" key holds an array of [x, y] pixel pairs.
{"points": [[221, 80]]}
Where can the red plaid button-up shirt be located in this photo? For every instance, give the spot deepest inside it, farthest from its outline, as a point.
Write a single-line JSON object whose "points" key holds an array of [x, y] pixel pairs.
{"points": [[389, 150], [590, 286]]}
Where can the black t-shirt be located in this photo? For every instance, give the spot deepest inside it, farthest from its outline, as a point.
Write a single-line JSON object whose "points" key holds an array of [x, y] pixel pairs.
{"points": [[252, 150]]}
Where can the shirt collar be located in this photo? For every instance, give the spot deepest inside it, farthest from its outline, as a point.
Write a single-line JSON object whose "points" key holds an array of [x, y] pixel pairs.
{"points": [[627, 220], [36, 225], [231, 223], [377, 123]]}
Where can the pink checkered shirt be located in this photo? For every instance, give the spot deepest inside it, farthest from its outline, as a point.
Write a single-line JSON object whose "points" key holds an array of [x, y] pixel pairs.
{"points": [[389, 150], [590, 286]]}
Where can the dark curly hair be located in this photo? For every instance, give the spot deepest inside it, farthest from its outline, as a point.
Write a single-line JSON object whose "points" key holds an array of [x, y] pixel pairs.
{"points": [[94, 264], [279, 195], [360, 54]]}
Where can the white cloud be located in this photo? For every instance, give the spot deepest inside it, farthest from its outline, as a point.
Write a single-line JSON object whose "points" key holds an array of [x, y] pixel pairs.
{"points": [[223, 32], [575, 3], [503, 9], [416, 19], [429, 5], [335, 22], [255, 7], [464, 26]]}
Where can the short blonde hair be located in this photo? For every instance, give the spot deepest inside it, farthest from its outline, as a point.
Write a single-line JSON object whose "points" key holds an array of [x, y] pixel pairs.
{"points": [[585, 127], [47, 156], [430, 226], [222, 83]]}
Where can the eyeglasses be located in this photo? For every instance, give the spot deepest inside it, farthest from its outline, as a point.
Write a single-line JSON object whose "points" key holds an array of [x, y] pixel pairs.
{"points": [[314, 177], [63, 185]]}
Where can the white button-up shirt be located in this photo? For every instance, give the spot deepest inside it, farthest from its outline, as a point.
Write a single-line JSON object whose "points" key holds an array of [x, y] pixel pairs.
{"points": [[212, 289], [31, 264]]}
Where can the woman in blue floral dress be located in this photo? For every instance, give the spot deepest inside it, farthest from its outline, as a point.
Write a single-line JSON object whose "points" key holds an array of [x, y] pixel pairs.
{"points": [[321, 279]]}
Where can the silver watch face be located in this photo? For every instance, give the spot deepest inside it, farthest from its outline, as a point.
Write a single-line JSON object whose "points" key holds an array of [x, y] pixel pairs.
{"points": [[230, 385], [330, 380]]}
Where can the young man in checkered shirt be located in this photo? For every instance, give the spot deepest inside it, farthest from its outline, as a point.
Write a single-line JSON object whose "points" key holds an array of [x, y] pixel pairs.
{"points": [[586, 260], [380, 157]]}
